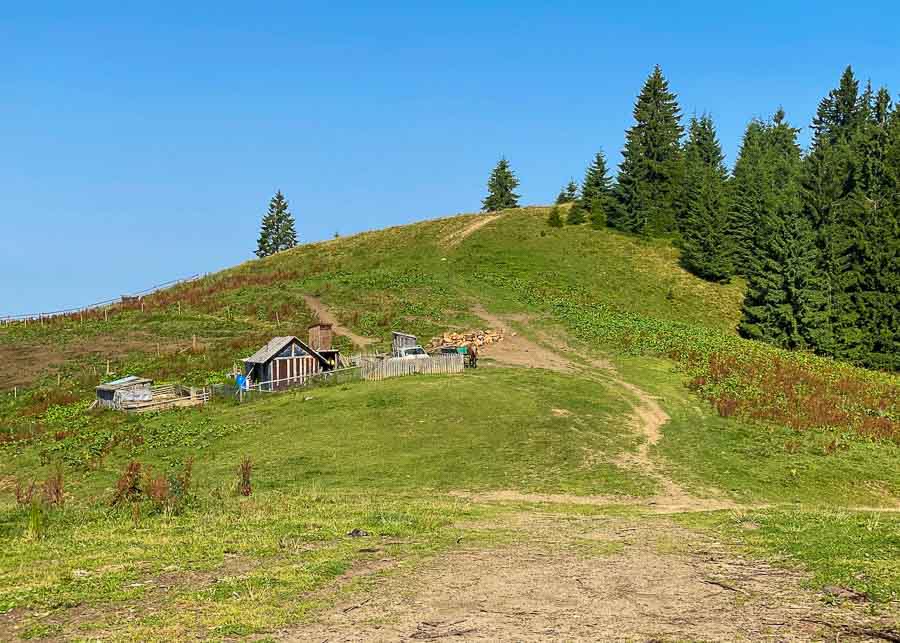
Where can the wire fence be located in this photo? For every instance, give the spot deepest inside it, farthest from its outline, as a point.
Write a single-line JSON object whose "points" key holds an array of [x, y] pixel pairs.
{"points": [[100, 305]]}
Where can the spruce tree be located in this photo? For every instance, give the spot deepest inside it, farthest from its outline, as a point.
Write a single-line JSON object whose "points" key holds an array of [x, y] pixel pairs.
{"points": [[277, 230], [285, 231], [704, 222], [831, 203], [569, 193], [784, 304], [554, 220], [786, 301], [650, 173], [750, 195], [576, 215], [597, 193], [501, 188]]}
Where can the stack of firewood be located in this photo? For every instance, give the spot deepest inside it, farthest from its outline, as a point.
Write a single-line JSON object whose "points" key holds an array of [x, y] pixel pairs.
{"points": [[477, 337]]}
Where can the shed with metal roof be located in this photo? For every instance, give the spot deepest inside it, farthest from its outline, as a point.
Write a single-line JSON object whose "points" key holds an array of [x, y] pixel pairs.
{"points": [[131, 388]]}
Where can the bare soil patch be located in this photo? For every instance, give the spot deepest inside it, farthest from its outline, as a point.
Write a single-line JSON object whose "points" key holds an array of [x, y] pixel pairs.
{"points": [[592, 579], [327, 317], [29, 362], [455, 238], [518, 350]]}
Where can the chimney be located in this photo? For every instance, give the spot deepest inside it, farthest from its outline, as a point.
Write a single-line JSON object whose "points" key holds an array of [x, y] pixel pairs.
{"points": [[320, 337]]}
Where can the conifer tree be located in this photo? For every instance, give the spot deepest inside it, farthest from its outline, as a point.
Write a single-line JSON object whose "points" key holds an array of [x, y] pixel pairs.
{"points": [[501, 188], [576, 215], [750, 194], [569, 193], [597, 193], [264, 243], [784, 303], [554, 220], [704, 221], [831, 202], [650, 173], [277, 230]]}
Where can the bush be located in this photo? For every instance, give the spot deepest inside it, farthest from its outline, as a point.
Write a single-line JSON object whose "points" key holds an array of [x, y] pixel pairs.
{"points": [[53, 492], [128, 486], [24, 493], [244, 472]]}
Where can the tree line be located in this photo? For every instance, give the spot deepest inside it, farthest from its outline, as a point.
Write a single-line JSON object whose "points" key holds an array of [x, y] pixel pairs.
{"points": [[815, 233]]}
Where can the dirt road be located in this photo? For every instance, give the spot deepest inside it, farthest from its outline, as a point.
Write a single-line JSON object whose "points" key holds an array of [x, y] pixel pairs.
{"points": [[327, 317], [602, 577]]}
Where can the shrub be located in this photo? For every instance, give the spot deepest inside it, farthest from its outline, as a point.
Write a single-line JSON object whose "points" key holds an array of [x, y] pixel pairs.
{"points": [[244, 472], [53, 489], [156, 488], [24, 493], [128, 486]]}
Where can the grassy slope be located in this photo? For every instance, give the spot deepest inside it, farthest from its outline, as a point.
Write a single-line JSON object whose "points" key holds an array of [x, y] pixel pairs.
{"points": [[318, 474]]}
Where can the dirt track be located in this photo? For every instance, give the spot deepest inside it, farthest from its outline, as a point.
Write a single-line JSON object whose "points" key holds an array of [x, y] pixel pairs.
{"points": [[595, 578], [327, 317]]}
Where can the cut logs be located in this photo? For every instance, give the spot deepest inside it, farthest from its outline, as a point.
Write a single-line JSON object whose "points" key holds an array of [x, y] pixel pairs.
{"points": [[477, 337]]}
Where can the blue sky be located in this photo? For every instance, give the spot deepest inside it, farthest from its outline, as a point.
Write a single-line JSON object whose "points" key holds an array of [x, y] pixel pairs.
{"points": [[141, 143]]}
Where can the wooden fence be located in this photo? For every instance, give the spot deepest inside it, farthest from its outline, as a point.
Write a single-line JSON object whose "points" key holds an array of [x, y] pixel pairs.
{"points": [[167, 396], [336, 376], [381, 369]]}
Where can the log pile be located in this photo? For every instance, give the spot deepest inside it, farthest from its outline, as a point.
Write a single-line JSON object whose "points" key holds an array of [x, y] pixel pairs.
{"points": [[477, 337]]}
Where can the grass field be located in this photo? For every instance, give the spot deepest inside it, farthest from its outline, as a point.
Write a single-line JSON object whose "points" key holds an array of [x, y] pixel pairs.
{"points": [[805, 450]]}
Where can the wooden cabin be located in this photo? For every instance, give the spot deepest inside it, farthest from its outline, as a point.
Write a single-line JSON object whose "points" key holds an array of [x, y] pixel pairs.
{"points": [[287, 361]]}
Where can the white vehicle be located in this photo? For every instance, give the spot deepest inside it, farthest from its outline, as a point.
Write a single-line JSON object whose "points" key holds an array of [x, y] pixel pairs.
{"points": [[412, 352]]}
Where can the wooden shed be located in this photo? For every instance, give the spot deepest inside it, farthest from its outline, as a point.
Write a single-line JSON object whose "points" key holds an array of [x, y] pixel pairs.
{"points": [[112, 395], [285, 361]]}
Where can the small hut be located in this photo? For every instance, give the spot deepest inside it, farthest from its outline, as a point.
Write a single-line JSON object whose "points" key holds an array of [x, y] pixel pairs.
{"points": [[320, 337], [285, 361], [113, 395], [401, 341]]}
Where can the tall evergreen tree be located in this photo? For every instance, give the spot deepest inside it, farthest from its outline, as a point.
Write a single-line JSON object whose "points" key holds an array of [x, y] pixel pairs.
{"points": [[501, 188], [704, 222], [597, 192], [786, 301], [784, 304], [650, 173], [277, 231], [831, 203], [569, 193], [750, 194]]}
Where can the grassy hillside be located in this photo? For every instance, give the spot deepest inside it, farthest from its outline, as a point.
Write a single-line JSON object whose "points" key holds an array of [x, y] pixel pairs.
{"points": [[790, 441]]}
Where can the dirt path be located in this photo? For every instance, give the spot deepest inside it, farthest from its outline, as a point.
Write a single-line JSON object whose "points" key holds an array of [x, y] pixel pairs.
{"points": [[455, 238], [590, 579], [647, 417], [326, 317]]}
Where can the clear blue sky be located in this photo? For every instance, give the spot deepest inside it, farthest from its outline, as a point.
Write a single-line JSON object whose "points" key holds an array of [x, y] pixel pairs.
{"points": [[140, 143]]}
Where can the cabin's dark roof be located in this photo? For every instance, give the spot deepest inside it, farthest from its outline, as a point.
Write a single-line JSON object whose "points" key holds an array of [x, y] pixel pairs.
{"points": [[276, 345], [125, 382]]}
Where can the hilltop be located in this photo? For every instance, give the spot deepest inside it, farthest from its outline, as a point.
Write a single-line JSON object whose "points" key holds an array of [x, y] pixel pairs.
{"points": [[644, 434]]}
